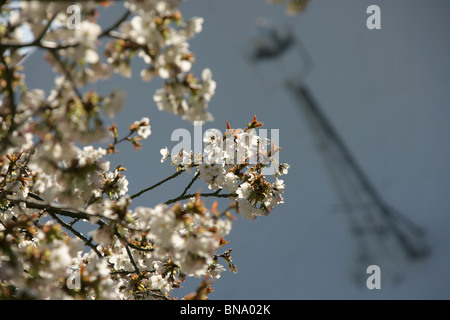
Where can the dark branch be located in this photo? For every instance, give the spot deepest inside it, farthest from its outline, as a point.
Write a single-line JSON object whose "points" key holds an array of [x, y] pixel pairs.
{"points": [[176, 174], [69, 227], [130, 255], [116, 24], [31, 204], [190, 184], [212, 194]]}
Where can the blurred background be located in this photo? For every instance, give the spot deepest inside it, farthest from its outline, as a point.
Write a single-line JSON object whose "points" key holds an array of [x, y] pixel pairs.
{"points": [[385, 92]]}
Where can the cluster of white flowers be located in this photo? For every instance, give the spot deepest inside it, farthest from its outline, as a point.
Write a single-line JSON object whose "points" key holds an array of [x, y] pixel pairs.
{"points": [[42, 263], [234, 162], [164, 243], [189, 238], [188, 97], [142, 127], [156, 32], [160, 37]]}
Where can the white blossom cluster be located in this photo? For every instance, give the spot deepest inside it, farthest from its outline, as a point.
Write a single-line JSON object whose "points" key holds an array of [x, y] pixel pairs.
{"points": [[38, 265], [155, 32], [166, 244], [234, 162], [160, 36]]}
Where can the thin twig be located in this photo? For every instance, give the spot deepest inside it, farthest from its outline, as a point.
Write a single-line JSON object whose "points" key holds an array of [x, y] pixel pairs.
{"points": [[116, 24], [176, 174], [190, 184], [44, 31], [74, 221], [212, 194], [86, 241], [130, 255]]}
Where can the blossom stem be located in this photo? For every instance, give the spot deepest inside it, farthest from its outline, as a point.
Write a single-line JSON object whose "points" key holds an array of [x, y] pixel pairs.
{"points": [[126, 138]]}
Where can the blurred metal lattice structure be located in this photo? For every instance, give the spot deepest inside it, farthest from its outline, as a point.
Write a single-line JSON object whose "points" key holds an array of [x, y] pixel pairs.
{"points": [[383, 236]]}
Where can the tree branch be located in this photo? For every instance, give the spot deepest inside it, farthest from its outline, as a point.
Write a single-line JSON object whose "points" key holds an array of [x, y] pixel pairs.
{"points": [[157, 184], [62, 211], [205, 195], [52, 208], [130, 255], [190, 183], [69, 227], [44, 31], [116, 24], [35, 42]]}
